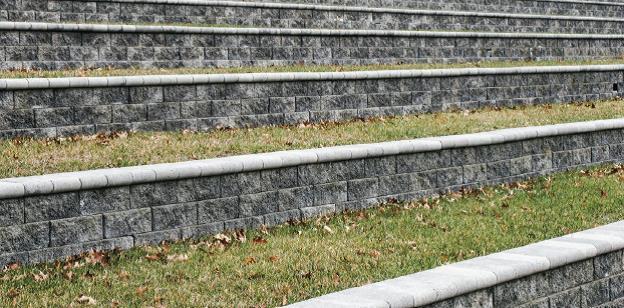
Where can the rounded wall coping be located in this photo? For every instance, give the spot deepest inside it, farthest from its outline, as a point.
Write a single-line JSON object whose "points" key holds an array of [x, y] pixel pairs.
{"points": [[105, 28], [103, 178], [190, 79], [206, 2], [316, 7], [448, 281]]}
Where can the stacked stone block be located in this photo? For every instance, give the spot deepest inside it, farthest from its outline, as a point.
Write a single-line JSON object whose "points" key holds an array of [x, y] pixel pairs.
{"points": [[289, 15], [582, 269], [61, 46], [48, 217], [50, 111], [15, 10]]}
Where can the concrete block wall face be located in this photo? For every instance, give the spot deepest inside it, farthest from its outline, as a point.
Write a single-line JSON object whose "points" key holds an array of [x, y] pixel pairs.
{"points": [[56, 112], [570, 8], [305, 16], [594, 282], [46, 218], [152, 47], [582, 269], [41, 9]]}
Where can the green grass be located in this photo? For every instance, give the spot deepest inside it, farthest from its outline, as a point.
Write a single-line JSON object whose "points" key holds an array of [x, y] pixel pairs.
{"points": [[23, 157], [295, 262], [291, 68]]}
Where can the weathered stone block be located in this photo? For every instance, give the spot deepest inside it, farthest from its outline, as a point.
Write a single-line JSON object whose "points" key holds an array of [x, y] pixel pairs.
{"points": [[127, 223], [218, 210], [258, 204], [104, 200], [51, 207], [12, 212], [174, 216], [153, 194], [76, 230], [25, 237], [330, 193]]}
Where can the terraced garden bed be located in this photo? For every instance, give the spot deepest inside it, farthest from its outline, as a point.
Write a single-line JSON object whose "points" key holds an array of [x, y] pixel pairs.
{"points": [[25, 157], [103, 72], [294, 262]]}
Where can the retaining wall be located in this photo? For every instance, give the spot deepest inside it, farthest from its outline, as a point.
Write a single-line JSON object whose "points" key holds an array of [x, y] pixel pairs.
{"points": [[67, 106], [288, 15], [16, 10], [58, 46], [582, 269], [546, 7], [48, 217]]}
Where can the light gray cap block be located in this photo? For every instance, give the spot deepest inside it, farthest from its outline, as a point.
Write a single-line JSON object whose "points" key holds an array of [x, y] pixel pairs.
{"points": [[94, 179], [449, 281]]}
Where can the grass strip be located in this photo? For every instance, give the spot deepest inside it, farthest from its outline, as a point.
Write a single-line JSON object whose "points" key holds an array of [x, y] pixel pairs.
{"points": [[24, 157], [104, 72], [299, 261]]}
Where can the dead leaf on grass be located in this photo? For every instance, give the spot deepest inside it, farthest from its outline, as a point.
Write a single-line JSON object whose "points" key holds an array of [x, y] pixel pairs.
{"points": [[86, 300], [178, 258], [328, 229], [140, 291], [259, 240], [274, 259], [40, 277], [249, 260]]}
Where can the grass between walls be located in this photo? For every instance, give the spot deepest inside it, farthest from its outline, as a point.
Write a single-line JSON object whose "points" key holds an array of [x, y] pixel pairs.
{"points": [[294, 262]]}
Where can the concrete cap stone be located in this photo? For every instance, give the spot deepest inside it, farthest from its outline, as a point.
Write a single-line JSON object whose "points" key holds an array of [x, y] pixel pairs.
{"points": [[448, 281], [102, 178]]}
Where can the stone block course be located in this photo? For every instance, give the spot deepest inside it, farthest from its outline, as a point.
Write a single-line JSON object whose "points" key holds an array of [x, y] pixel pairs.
{"points": [[49, 217], [523, 278], [178, 46], [581, 17], [48, 107]]}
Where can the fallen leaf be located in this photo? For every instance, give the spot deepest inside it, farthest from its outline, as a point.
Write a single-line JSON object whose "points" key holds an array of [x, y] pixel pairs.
{"points": [[328, 229], [259, 240], [178, 258], [40, 277], [375, 254], [123, 275], [249, 260], [97, 257], [150, 257], [274, 258], [12, 266], [13, 293], [224, 239], [140, 291], [86, 300], [240, 236], [603, 194], [69, 275]]}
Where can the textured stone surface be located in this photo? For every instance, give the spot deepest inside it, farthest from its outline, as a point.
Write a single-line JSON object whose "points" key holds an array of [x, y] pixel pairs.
{"points": [[149, 204], [221, 107], [113, 46], [307, 16]]}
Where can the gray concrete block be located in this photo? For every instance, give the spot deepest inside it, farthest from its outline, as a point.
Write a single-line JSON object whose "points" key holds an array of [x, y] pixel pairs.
{"points": [[607, 265], [258, 204], [51, 207], [595, 293], [24, 237], [172, 216], [218, 210], [76, 230], [104, 200], [12, 212], [153, 194], [127, 223]]}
